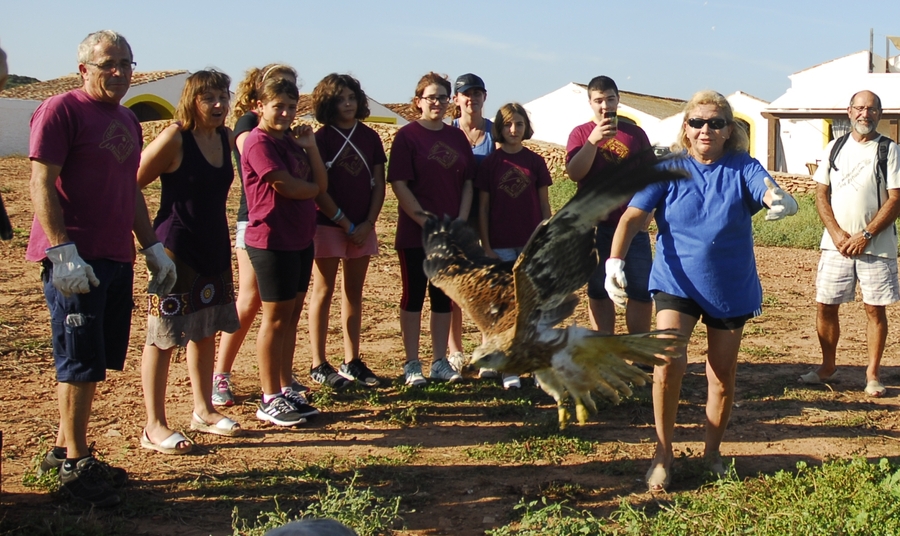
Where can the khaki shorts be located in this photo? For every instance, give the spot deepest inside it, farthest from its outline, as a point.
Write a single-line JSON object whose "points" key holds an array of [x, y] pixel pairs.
{"points": [[837, 276]]}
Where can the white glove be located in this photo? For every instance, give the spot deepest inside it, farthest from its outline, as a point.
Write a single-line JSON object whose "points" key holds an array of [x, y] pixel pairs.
{"points": [[615, 281], [162, 270], [71, 275], [783, 204]]}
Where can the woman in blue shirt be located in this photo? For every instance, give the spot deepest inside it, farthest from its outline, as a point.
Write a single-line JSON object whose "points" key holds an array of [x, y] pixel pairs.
{"points": [[704, 267]]}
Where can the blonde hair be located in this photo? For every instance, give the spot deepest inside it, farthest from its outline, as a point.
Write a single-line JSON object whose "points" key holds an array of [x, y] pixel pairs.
{"points": [[248, 89], [739, 141]]}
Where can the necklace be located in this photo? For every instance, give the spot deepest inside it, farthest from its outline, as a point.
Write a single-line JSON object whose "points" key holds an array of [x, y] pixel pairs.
{"points": [[478, 134]]}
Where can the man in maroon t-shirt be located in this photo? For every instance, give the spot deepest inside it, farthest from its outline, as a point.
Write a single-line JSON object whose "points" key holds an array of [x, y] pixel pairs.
{"points": [[591, 147], [85, 150]]}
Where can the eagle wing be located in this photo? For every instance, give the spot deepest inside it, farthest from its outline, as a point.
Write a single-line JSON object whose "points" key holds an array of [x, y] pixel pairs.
{"points": [[480, 285], [560, 256]]}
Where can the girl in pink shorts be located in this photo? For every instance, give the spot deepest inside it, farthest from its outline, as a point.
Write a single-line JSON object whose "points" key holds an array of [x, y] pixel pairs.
{"points": [[345, 236]]}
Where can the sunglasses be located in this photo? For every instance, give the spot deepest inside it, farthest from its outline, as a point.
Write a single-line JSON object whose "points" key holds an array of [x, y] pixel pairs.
{"points": [[716, 123]]}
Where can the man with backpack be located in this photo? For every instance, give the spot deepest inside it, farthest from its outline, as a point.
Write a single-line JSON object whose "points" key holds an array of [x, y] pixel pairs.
{"points": [[858, 200]]}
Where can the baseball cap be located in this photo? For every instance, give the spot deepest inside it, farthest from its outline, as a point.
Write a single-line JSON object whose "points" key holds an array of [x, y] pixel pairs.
{"points": [[468, 81]]}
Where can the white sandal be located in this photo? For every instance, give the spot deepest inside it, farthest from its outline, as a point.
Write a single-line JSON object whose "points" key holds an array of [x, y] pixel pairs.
{"points": [[225, 426], [168, 445]]}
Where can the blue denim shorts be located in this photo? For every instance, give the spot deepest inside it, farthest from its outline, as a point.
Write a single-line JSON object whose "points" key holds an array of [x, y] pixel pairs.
{"points": [[90, 331], [638, 262]]}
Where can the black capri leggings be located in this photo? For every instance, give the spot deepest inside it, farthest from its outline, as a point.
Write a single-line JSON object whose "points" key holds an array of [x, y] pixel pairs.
{"points": [[415, 282]]}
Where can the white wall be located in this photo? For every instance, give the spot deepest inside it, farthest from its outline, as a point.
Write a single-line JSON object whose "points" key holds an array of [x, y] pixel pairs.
{"points": [[15, 115], [802, 141], [168, 89]]}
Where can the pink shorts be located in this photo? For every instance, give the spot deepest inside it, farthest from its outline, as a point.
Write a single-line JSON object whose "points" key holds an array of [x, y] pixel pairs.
{"points": [[333, 242]]}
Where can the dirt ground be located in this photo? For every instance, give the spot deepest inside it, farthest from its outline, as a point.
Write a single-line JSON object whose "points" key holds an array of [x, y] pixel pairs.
{"points": [[445, 488]]}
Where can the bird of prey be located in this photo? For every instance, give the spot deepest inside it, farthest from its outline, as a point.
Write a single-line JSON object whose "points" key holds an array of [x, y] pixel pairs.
{"points": [[516, 305]]}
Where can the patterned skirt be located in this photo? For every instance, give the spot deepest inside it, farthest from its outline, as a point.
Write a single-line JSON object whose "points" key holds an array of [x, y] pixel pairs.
{"points": [[198, 307]]}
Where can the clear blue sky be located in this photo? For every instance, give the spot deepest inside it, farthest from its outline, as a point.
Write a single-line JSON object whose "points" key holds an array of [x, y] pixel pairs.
{"points": [[522, 49]]}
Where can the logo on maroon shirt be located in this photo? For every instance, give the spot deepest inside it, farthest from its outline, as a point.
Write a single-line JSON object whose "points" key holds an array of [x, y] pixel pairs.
{"points": [[299, 168], [443, 154], [614, 151], [351, 162], [514, 182], [118, 140]]}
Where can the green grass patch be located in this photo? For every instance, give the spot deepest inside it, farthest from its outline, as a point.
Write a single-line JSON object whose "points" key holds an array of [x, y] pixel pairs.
{"points": [[359, 508], [849, 498], [560, 191], [802, 230], [553, 449]]}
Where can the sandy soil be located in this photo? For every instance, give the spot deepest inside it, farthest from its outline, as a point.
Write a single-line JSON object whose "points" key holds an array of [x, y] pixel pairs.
{"points": [[445, 488]]}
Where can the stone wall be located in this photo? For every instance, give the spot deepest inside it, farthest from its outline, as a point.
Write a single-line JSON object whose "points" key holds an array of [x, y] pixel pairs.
{"points": [[795, 184]]}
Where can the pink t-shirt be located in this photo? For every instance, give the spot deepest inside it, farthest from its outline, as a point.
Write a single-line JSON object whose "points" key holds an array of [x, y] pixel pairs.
{"points": [[629, 141], [98, 146], [434, 164], [513, 180], [276, 222], [349, 177]]}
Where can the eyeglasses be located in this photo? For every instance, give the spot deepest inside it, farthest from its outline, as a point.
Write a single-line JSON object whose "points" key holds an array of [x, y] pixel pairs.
{"points": [[865, 109], [435, 99], [716, 123], [108, 66]]}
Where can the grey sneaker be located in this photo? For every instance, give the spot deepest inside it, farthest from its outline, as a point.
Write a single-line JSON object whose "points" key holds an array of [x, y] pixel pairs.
{"points": [[300, 403], [88, 482], [116, 475], [356, 370], [279, 412], [458, 361], [222, 393], [326, 375], [413, 372], [441, 370]]}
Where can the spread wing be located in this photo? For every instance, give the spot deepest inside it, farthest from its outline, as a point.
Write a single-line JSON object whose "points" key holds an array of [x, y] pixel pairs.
{"points": [[480, 285], [560, 256]]}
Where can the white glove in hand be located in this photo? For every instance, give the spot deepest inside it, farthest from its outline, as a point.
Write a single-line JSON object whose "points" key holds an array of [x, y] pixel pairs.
{"points": [[71, 275], [783, 204], [162, 270], [615, 281]]}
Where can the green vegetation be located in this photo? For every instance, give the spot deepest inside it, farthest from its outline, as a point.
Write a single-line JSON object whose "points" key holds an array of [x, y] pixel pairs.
{"points": [[359, 508], [848, 498], [553, 449], [802, 230], [560, 191]]}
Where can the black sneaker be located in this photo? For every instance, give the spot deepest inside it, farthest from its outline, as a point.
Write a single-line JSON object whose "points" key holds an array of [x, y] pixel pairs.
{"points": [[279, 411], [326, 375], [88, 482], [358, 371], [117, 476], [300, 403]]}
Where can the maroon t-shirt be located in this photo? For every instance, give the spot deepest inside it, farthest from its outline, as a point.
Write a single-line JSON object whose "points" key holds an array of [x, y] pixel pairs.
{"points": [[513, 180], [98, 146], [276, 222], [629, 141], [350, 180], [434, 164]]}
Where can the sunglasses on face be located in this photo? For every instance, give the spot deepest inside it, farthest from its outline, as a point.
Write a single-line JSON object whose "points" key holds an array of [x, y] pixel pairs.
{"points": [[716, 123]]}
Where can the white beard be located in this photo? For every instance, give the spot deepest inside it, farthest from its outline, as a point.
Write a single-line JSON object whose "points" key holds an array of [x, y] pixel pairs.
{"points": [[863, 129]]}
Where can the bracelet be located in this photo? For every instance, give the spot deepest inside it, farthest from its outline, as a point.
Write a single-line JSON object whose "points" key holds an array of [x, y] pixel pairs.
{"points": [[352, 228], [337, 215]]}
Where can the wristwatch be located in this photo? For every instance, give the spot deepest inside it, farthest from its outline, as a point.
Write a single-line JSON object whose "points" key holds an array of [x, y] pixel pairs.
{"points": [[867, 235]]}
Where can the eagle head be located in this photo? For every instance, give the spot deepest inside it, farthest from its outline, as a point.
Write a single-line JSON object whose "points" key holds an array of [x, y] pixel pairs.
{"points": [[490, 355]]}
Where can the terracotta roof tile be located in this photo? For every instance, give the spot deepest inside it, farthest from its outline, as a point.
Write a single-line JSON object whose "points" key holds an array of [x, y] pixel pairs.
{"points": [[57, 86]]}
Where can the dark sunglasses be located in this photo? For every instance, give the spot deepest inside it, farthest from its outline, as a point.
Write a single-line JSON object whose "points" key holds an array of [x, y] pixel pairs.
{"points": [[716, 123]]}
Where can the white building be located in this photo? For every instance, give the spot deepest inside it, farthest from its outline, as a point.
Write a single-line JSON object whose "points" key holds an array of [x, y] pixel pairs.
{"points": [[555, 115], [152, 96], [814, 109]]}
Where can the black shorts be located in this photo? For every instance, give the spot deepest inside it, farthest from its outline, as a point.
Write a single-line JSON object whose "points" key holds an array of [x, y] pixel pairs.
{"points": [[689, 307], [281, 275], [415, 283]]}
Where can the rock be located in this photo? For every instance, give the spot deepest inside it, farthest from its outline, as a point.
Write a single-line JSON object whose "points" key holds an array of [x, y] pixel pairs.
{"points": [[112, 432], [489, 520]]}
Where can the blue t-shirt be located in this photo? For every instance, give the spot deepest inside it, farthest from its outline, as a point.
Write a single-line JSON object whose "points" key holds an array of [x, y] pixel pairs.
{"points": [[704, 249], [486, 147]]}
